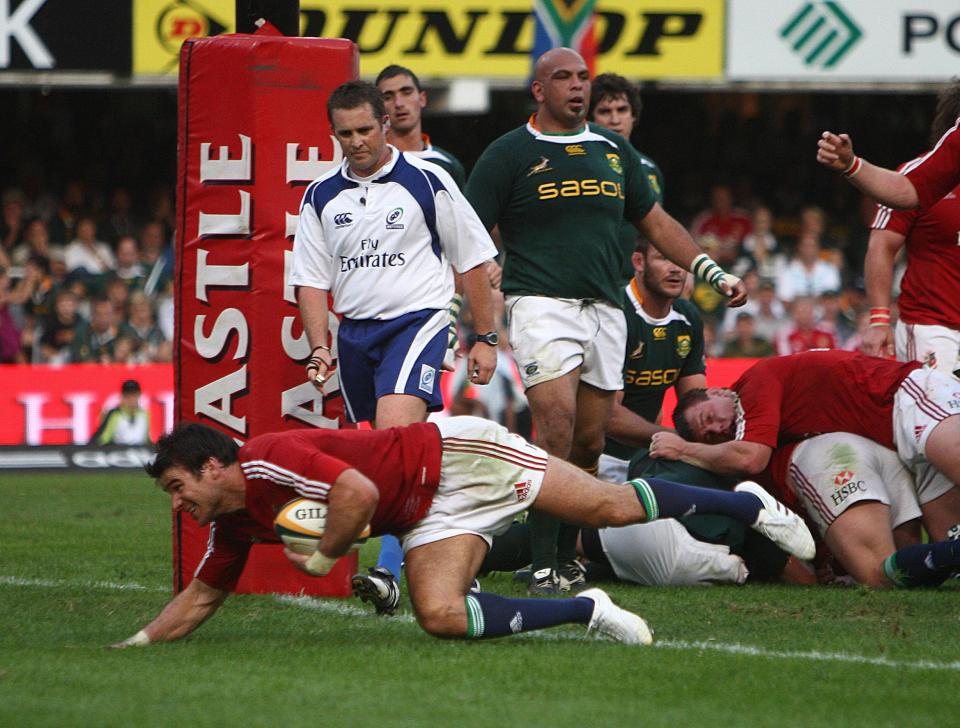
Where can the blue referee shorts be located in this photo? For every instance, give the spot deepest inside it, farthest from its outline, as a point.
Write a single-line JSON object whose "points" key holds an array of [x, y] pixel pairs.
{"points": [[396, 356]]}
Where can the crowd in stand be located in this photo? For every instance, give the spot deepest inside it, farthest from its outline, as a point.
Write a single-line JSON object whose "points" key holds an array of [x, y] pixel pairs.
{"points": [[81, 284]]}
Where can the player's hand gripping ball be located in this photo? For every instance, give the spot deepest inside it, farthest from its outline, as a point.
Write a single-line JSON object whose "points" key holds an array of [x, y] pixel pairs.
{"points": [[300, 525]]}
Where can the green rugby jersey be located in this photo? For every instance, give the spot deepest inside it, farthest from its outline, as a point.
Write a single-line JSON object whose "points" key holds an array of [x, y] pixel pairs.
{"points": [[560, 200], [443, 158], [628, 233], [659, 351]]}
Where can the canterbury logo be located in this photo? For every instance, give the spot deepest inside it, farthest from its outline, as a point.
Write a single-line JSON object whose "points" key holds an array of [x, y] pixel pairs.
{"points": [[343, 218], [542, 166]]}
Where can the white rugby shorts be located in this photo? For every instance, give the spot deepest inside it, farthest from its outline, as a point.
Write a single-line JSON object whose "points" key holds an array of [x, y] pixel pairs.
{"points": [[829, 473], [925, 398], [487, 476], [663, 553], [553, 336], [936, 346]]}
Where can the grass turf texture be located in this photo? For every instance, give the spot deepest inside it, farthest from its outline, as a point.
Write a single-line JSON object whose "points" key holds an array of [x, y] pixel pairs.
{"points": [[85, 561]]}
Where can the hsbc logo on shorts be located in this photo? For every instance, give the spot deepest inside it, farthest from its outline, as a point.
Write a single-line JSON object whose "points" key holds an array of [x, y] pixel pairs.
{"points": [[342, 219], [523, 490], [846, 490]]}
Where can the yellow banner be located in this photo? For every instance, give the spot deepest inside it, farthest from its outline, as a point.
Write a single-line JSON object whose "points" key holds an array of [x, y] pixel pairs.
{"points": [[658, 39]]}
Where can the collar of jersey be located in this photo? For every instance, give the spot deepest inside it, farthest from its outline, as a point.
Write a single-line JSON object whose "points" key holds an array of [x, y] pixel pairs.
{"points": [[584, 135], [382, 172], [636, 298]]}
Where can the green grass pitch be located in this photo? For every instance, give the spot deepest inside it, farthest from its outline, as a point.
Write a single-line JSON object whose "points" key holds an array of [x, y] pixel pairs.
{"points": [[85, 561]]}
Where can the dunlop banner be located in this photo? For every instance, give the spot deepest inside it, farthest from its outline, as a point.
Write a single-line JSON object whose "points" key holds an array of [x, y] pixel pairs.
{"points": [[662, 39]]}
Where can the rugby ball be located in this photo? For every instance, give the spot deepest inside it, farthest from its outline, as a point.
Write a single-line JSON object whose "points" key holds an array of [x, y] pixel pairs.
{"points": [[300, 525]]}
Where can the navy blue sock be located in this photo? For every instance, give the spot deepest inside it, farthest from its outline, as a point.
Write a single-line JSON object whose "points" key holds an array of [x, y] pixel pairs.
{"points": [[490, 615], [923, 564], [665, 499]]}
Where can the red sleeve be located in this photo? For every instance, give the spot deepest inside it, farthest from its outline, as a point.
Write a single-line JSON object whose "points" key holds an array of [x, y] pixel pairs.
{"points": [[225, 557], [938, 171], [291, 460], [760, 397]]}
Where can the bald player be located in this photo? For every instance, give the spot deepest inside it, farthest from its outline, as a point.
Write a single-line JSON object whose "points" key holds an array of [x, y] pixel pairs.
{"points": [[559, 188]]}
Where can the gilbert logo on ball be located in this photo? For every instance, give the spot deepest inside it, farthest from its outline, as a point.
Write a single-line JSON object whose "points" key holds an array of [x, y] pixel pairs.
{"points": [[300, 525]]}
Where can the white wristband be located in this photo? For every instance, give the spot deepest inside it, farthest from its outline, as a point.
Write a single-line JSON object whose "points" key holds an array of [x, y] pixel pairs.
{"points": [[318, 564]]}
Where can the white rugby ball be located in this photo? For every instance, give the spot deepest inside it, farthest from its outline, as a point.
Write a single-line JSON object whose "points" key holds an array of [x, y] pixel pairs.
{"points": [[300, 525]]}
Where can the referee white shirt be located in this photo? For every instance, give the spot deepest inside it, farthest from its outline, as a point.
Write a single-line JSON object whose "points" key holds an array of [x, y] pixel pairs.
{"points": [[384, 244]]}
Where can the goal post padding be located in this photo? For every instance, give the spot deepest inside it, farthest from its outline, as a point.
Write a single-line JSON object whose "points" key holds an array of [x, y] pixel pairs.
{"points": [[253, 132]]}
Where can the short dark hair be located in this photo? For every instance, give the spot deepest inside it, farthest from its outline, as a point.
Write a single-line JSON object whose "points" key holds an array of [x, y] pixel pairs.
{"points": [[395, 70], [353, 94], [131, 386], [694, 396], [189, 445], [948, 109], [611, 85]]}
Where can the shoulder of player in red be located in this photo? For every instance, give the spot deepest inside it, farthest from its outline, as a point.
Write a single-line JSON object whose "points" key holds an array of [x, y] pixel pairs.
{"points": [[938, 171]]}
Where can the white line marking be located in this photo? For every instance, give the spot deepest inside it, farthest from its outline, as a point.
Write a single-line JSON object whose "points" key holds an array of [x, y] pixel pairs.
{"points": [[343, 609]]}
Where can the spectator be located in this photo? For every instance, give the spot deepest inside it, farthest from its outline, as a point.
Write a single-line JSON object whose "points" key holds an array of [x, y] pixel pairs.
{"points": [[94, 342], [60, 329], [723, 222], [120, 222], [118, 293], [126, 424], [767, 311], [9, 331], [36, 241], [156, 257], [129, 268], [836, 319], [141, 328], [807, 274], [746, 344], [12, 224], [803, 334], [760, 248], [87, 255], [64, 222]]}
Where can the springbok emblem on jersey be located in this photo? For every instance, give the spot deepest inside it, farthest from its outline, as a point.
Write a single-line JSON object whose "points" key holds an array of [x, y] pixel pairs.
{"points": [[542, 166]]}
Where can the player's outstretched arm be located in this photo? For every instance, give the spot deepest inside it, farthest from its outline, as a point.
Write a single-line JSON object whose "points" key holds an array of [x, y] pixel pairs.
{"points": [[737, 457], [672, 239], [835, 151], [629, 428], [878, 271], [183, 614]]}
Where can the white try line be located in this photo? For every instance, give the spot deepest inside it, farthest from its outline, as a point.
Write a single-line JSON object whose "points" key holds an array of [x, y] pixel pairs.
{"points": [[346, 609]]}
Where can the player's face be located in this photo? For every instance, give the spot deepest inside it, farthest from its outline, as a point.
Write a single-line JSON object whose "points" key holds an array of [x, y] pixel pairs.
{"points": [[363, 139], [563, 92], [713, 420], [196, 496], [659, 274], [614, 113], [403, 102]]}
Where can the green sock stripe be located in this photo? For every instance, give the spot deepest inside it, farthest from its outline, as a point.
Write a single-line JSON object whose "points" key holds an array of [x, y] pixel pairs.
{"points": [[647, 498], [891, 571], [474, 618]]}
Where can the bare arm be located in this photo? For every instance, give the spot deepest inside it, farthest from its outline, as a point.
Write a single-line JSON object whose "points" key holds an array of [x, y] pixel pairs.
{"points": [[314, 313], [630, 428], [878, 272], [835, 151], [672, 239], [183, 614], [736, 457], [482, 360]]}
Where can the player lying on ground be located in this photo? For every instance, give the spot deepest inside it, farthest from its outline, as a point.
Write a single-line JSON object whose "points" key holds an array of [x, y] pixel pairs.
{"points": [[445, 488], [888, 403]]}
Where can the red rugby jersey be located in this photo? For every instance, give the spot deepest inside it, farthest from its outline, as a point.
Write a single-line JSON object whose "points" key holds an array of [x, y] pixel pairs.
{"points": [[938, 171], [930, 291], [793, 397], [403, 463]]}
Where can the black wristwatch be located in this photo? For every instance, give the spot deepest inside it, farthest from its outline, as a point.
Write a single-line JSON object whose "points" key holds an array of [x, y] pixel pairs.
{"points": [[492, 338]]}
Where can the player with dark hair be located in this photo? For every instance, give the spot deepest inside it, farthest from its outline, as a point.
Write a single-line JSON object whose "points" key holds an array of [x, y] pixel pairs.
{"points": [[929, 304], [559, 189], [383, 233], [900, 406], [445, 488], [927, 180], [404, 101]]}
